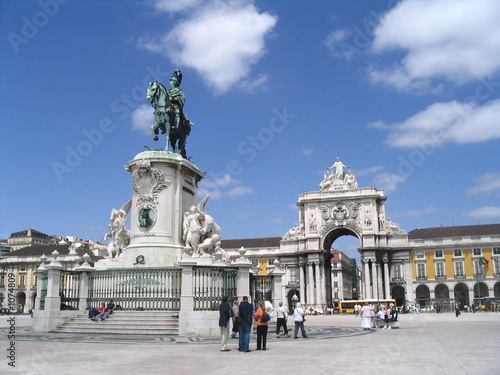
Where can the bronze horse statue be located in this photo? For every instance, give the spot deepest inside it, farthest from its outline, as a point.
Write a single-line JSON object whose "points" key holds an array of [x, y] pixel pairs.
{"points": [[168, 118]]}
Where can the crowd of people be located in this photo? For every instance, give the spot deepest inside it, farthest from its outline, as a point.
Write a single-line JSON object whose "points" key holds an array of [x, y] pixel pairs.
{"points": [[243, 314]]}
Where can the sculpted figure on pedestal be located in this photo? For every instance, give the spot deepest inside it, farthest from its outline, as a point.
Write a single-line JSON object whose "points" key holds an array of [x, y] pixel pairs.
{"points": [[336, 178], [339, 169], [200, 231], [169, 114], [119, 234]]}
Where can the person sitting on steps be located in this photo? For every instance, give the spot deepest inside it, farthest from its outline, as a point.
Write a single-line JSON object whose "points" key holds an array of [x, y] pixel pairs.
{"points": [[110, 307]]}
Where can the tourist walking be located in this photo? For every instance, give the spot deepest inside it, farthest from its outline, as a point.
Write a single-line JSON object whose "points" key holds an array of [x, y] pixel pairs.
{"points": [[261, 316], [281, 317], [457, 309], [245, 313], [366, 319], [299, 319], [224, 316]]}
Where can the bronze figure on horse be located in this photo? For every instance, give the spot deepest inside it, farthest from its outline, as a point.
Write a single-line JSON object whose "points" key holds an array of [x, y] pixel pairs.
{"points": [[169, 116]]}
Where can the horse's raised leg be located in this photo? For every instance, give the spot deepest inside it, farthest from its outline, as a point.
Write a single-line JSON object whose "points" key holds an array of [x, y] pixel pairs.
{"points": [[154, 131]]}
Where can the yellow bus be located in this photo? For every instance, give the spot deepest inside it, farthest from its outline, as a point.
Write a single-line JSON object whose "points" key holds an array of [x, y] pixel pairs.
{"points": [[348, 306], [487, 303]]}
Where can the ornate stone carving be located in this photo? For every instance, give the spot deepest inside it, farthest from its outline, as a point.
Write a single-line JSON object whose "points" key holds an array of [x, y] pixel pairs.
{"points": [[120, 236], [393, 228], [293, 233], [340, 214], [200, 232], [148, 182], [335, 178]]}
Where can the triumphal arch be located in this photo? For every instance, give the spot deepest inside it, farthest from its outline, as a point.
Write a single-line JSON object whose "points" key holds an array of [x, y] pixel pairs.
{"points": [[342, 208]]}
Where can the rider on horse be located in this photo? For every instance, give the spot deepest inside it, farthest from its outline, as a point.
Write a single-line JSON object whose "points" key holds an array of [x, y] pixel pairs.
{"points": [[178, 99]]}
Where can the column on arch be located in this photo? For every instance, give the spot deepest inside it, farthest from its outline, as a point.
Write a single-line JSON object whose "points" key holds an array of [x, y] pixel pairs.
{"points": [[303, 282], [321, 285], [375, 279], [366, 276], [387, 280], [310, 284]]}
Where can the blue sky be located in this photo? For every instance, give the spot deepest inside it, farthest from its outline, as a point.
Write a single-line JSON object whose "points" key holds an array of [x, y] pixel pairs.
{"points": [[404, 92]]}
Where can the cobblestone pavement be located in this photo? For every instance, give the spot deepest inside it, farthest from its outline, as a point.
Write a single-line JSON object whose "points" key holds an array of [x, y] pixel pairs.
{"points": [[424, 344], [25, 333]]}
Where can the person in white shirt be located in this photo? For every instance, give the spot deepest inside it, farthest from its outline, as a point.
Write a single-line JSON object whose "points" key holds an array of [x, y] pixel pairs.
{"points": [[298, 317], [281, 316]]}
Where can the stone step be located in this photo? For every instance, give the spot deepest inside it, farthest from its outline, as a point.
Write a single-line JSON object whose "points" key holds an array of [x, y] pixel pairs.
{"points": [[126, 322]]}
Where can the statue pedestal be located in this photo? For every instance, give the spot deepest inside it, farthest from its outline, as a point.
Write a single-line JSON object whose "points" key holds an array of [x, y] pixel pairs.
{"points": [[164, 187]]}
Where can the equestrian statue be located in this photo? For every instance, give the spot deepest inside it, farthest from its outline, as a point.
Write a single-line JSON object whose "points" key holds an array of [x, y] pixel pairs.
{"points": [[169, 116]]}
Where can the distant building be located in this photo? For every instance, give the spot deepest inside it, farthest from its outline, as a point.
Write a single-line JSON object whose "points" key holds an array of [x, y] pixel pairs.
{"points": [[266, 254], [451, 264], [346, 277], [17, 271], [28, 237], [4, 247]]}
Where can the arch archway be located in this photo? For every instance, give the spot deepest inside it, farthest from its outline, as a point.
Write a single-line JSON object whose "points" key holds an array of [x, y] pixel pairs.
{"points": [[398, 293], [442, 291], [422, 295], [293, 296], [340, 283], [481, 289], [21, 300], [496, 290], [461, 294]]}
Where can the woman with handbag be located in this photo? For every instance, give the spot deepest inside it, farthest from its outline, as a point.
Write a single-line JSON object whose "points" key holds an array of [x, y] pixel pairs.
{"points": [[299, 318]]}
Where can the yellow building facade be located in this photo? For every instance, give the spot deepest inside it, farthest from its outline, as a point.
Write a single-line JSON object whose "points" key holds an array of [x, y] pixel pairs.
{"points": [[455, 264]]}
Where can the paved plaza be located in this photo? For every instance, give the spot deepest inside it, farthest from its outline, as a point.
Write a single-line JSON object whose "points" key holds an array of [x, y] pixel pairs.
{"points": [[424, 344]]}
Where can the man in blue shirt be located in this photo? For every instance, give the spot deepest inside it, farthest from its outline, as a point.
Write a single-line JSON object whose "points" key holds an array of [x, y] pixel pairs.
{"points": [[245, 313]]}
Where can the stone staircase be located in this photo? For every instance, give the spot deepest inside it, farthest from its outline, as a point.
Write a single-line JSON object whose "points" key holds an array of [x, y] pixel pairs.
{"points": [[126, 323]]}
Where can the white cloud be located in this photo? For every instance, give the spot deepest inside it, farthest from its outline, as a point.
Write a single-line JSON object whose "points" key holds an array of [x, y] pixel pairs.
{"points": [[445, 122], [307, 151], [488, 212], [221, 40], [387, 181], [142, 118], [455, 40], [486, 183], [226, 186]]}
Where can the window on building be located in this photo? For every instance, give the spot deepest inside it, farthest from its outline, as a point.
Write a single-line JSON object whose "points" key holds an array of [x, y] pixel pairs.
{"points": [[23, 267], [396, 271], [255, 262], [440, 270], [478, 268], [477, 251], [496, 265], [294, 276], [2, 281], [439, 253], [457, 252], [334, 265], [420, 254], [335, 274], [21, 280], [336, 295], [270, 262], [496, 250], [421, 271], [335, 284], [459, 269]]}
